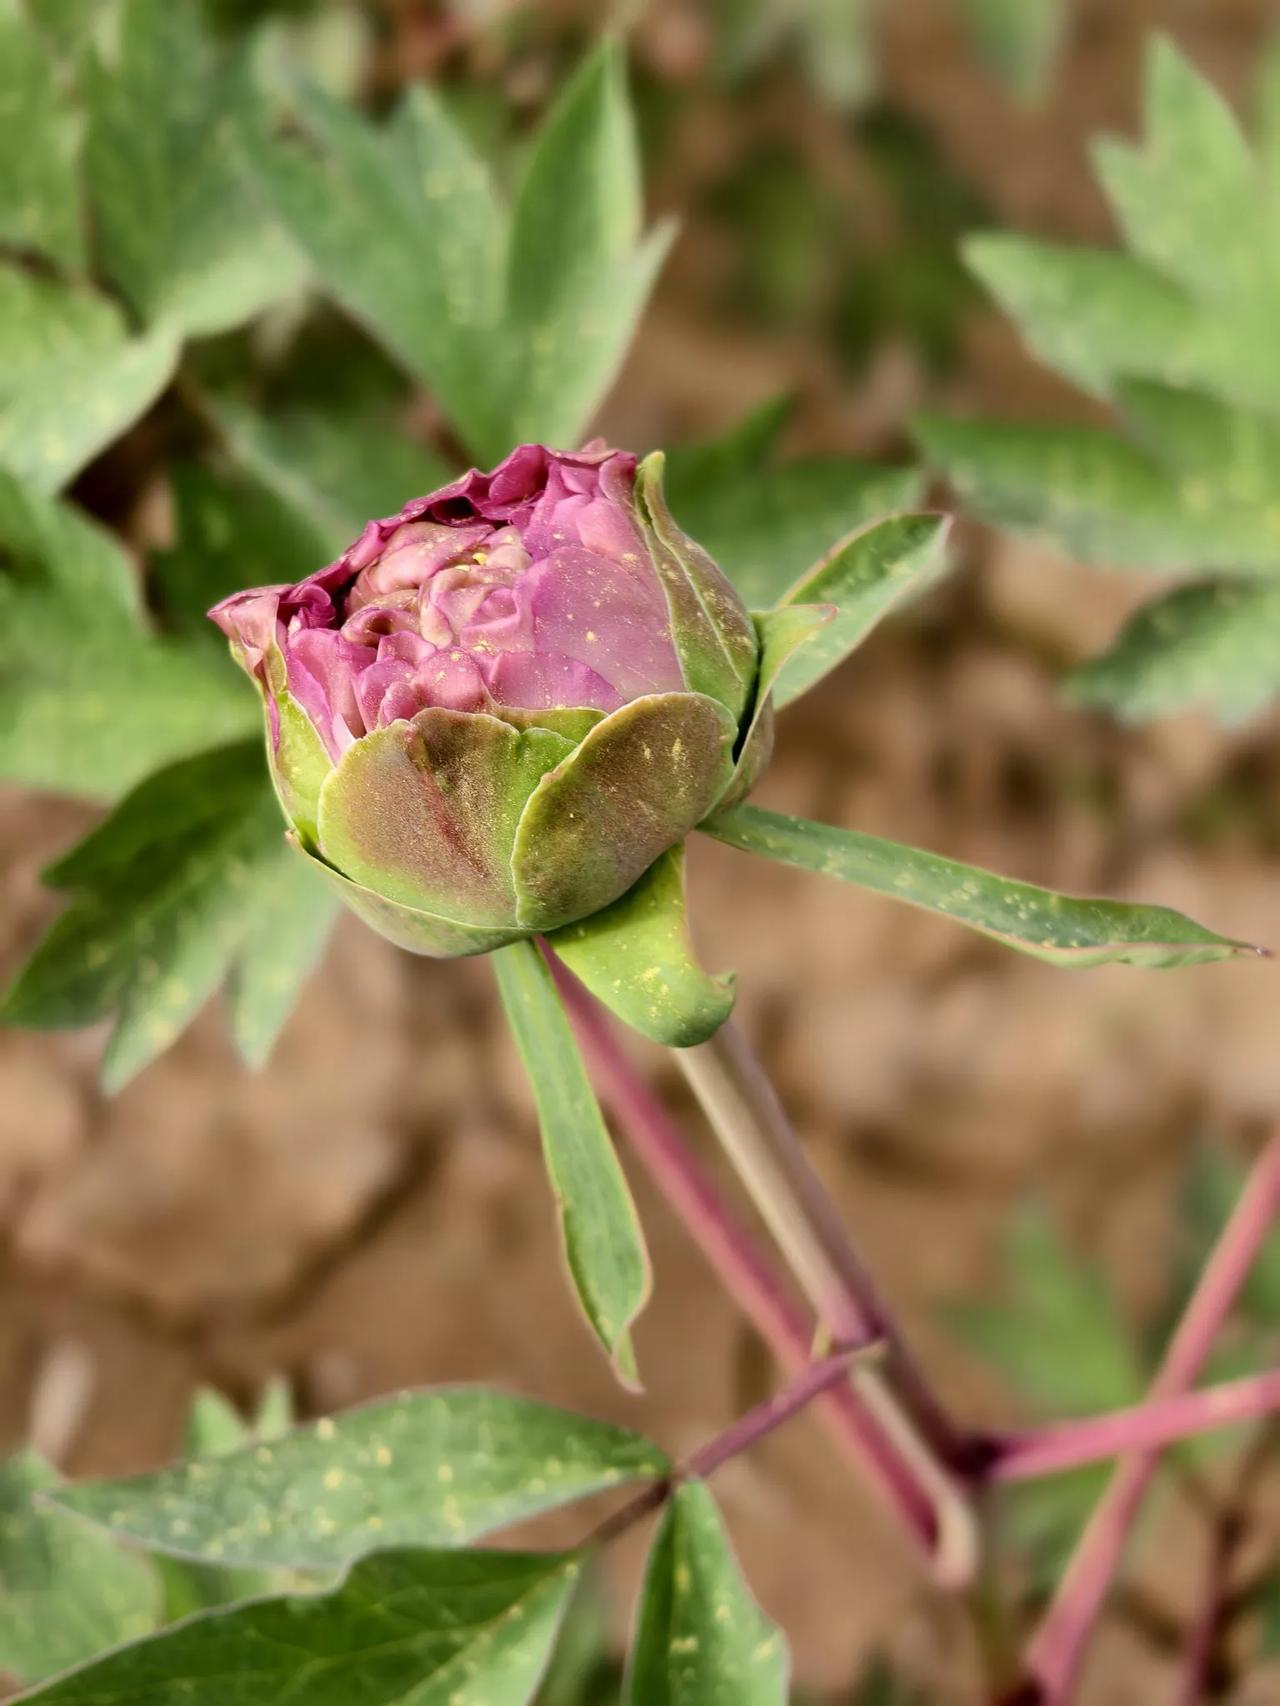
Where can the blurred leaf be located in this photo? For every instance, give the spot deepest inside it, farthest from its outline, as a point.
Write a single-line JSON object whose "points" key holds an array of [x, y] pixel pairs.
{"points": [[437, 1468], [603, 1242], [1018, 39], [109, 701], [582, 1671], [1040, 1523], [1214, 1180], [71, 381], [1063, 929], [39, 144], [148, 940], [700, 1639], [864, 578], [1216, 644], [179, 229], [401, 1630], [767, 525], [636, 957], [336, 467], [68, 1592], [70, 23], [832, 39], [1060, 1340]]}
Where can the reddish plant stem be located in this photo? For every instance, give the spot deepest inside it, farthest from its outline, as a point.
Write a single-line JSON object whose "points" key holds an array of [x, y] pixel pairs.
{"points": [[1058, 1647], [736, 1259], [1144, 1427]]}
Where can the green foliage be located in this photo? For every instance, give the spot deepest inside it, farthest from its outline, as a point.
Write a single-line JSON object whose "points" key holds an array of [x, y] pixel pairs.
{"points": [[68, 1592], [700, 1638], [39, 197], [831, 38], [1018, 39], [419, 1627], [1173, 332], [603, 1243], [189, 881], [517, 318], [433, 1468], [1062, 929]]}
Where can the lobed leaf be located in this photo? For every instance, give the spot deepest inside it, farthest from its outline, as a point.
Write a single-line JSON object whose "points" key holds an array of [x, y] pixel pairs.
{"points": [[1063, 929], [603, 1243]]}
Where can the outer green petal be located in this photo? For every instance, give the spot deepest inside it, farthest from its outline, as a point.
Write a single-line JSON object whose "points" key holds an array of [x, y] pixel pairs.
{"points": [[782, 633], [637, 958], [639, 782], [425, 812], [713, 634], [296, 756], [406, 926]]}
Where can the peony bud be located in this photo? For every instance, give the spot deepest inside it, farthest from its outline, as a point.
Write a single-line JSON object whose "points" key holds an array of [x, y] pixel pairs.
{"points": [[499, 707]]}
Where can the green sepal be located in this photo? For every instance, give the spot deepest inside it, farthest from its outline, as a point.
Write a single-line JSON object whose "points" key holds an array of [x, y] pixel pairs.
{"points": [[425, 811], [574, 725], [636, 957], [408, 927], [638, 783], [713, 635], [782, 633], [860, 581]]}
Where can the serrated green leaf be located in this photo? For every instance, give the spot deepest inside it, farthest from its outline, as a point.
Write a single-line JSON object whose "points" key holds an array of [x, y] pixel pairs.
{"points": [[603, 1243], [1062, 929], [67, 1593], [862, 579], [404, 1629], [636, 957], [333, 467], [701, 1640], [431, 1468], [148, 939], [1216, 645], [180, 231], [767, 525], [71, 381], [39, 144]]}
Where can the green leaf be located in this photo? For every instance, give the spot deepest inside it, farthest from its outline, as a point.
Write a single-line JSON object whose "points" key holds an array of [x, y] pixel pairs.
{"points": [[71, 381], [1215, 644], [1018, 39], [431, 1468], [636, 957], [68, 1592], [1062, 929], [864, 578], [180, 230], [148, 939], [39, 197], [334, 466], [110, 701], [1060, 1340], [404, 1629], [701, 1640], [603, 1243], [767, 525]]}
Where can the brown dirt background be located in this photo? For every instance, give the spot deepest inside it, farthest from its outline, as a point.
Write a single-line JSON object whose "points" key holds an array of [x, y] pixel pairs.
{"points": [[369, 1212]]}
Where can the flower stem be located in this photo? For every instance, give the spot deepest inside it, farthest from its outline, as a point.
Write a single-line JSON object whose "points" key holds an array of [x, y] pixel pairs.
{"points": [[747, 1116], [742, 1268], [1058, 1647], [1144, 1427]]}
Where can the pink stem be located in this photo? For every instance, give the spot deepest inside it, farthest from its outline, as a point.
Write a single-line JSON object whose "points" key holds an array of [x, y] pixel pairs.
{"points": [[743, 1270], [739, 1436], [1144, 1427], [1057, 1649]]}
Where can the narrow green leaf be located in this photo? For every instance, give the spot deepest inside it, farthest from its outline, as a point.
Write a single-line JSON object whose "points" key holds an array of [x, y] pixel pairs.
{"points": [[67, 1592], [767, 525], [603, 1243], [701, 1640], [1062, 929], [1215, 644], [148, 938], [864, 578], [403, 1629], [431, 1468], [39, 144], [180, 230], [636, 957]]}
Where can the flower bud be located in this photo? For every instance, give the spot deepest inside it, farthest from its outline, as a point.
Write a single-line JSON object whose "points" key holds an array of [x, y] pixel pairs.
{"points": [[495, 710]]}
